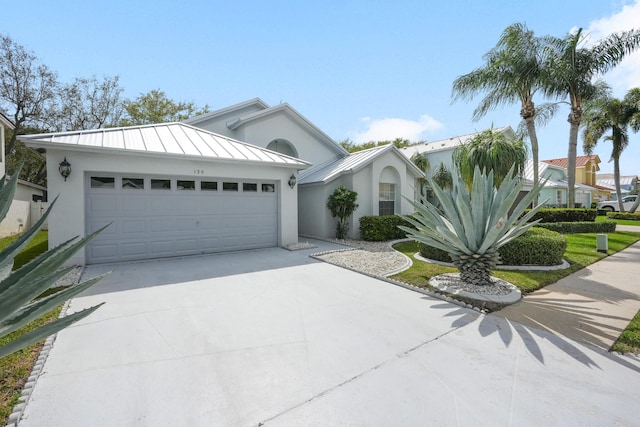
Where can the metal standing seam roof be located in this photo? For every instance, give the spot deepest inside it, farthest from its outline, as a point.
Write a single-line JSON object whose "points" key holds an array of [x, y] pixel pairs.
{"points": [[447, 143], [332, 169], [177, 139]]}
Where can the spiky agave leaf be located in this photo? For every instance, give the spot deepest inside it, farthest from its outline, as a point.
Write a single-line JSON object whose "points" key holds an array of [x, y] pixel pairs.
{"points": [[473, 224], [19, 288]]}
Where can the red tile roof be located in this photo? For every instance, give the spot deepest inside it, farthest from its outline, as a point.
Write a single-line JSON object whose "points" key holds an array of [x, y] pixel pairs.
{"points": [[581, 161]]}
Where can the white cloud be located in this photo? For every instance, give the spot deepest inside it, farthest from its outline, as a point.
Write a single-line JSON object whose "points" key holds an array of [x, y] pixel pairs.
{"points": [[627, 74], [391, 128]]}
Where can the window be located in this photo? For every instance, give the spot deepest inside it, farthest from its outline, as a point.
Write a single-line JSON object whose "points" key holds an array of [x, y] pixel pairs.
{"points": [[558, 197], [161, 184], [102, 182], [229, 186], [133, 183], [209, 185], [249, 187], [268, 188], [186, 185], [387, 199]]}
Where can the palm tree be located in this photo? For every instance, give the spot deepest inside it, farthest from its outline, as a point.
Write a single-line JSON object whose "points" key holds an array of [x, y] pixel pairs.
{"points": [[422, 162], [571, 67], [442, 176], [490, 151], [610, 114], [513, 72]]}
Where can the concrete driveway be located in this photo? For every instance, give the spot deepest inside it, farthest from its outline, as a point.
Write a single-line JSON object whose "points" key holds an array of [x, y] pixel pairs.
{"points": [[272, 337]]}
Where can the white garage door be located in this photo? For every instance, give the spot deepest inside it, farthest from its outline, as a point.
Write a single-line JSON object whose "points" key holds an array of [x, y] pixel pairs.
{"points": [[155, 217]]}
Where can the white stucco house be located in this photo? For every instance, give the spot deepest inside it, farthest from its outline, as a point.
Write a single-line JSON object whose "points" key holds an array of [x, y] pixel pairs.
{"points": [[29, 200], [242, 177], [167, 190], [381, 176]]}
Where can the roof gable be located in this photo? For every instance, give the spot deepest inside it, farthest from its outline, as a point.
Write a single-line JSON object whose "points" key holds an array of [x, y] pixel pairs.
{"points": [[250, 105], [172, 139], [333, 169], [294, 115]]}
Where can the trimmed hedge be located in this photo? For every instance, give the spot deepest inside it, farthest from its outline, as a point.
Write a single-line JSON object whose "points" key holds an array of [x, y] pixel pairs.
{"points": [[433, 253], [579, 227], [536, 246], [564, 215], [382, 228], [624, 215]]}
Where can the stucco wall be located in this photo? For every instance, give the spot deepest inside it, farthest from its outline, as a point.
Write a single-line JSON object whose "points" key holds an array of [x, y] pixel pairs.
{"points": [[280, 126], [68, 216]]}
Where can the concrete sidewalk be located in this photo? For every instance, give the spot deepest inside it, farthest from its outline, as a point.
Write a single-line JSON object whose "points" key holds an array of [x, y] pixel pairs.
{"points": [[591, 306]]}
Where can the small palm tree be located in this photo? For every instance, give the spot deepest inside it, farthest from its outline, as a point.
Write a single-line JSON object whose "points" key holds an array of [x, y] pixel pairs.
{"points": [[490, 150], [570, 71], [442, 176], [610, 114], [472, 225], [422, 162]]}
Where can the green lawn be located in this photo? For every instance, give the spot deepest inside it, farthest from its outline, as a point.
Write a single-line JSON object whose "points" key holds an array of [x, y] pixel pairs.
{"points": [[15, 368]]}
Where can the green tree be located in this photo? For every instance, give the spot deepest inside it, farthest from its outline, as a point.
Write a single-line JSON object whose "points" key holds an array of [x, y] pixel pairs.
{"points": [[513, 73], [607, 114], [490, 151], [87, 103], [571, 68], [156, 107], [422, 162], [442, 176], [341, 204], [28, 91]]}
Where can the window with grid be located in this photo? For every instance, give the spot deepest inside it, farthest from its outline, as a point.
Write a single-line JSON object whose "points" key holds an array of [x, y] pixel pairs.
{"points": [[387, 199]]}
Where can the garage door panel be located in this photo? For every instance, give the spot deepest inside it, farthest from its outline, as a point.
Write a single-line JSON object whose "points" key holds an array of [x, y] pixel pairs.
{"points": [[158, 223]]}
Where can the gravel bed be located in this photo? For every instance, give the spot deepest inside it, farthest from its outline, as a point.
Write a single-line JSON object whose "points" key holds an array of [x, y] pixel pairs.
{"points": [[373, 258], [452, 282]]}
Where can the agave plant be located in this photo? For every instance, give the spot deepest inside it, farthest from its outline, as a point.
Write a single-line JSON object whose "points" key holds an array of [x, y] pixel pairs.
{"points": [[19, 290], [472, 225]]}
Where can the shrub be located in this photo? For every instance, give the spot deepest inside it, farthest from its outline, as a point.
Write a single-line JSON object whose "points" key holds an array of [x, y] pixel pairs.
{"points": [[624, 215], [564, 215], [537, 246], [382, 228], [579, 227], [342, 203], [435, 254]]}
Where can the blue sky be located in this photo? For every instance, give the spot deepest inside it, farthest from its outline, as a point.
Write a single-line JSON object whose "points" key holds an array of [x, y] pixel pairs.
{"points": [[365, 69]]}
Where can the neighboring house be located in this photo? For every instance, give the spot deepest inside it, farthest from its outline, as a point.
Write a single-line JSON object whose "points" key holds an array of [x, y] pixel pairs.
{"points": [[554, 192], [167, 190], [628, 183], [586, 170], [381, 176], [441, 151], [29, 199]]}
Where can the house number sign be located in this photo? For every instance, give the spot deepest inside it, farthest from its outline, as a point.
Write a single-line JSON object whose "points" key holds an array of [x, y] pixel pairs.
{"points": [[198, 171]]}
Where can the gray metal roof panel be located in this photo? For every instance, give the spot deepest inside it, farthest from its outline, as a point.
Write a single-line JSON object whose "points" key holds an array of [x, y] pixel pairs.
{"points": [[167, 138]]}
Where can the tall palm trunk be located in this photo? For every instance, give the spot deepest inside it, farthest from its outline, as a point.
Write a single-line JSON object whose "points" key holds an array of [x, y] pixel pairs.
{"points": [[616, 180], [528, 113], [575, 117]]}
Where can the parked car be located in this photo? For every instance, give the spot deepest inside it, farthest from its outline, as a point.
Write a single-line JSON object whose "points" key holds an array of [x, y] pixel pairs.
{"points": [[612, 205]]}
